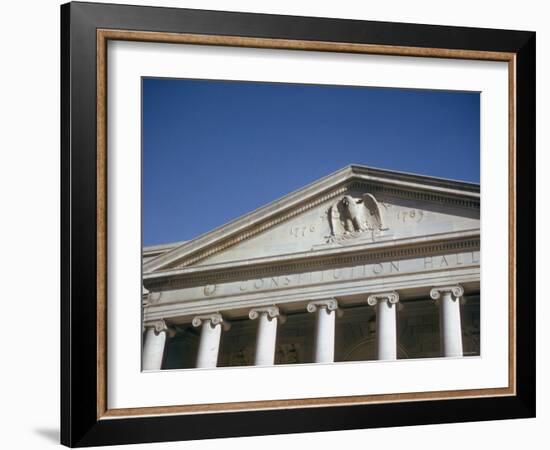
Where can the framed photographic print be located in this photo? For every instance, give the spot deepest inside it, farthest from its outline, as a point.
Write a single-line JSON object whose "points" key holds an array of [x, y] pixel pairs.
{"points": [[277, 224]]}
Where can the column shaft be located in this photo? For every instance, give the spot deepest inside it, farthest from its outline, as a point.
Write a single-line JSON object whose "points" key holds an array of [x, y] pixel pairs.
{"points": [[324, 335], [153, 349], [265, 340], [386, 330], [450, 325], [209, 344]]}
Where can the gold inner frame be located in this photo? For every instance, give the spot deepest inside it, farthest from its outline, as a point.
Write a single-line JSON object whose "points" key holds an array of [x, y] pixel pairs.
{"points": [[104, 35]]}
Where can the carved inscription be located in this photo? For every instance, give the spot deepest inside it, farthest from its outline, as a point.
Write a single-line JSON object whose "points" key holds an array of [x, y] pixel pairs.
{"points": [[410, 215], [342, 274], [302, 231], [346, 273], [443, 261]]}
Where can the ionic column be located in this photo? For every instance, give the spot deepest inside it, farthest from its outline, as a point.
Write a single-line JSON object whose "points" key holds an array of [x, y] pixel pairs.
{"points": [[386, 324], [450, 328], [209, 344], [324, 329], [154, 345], [267, 334]]}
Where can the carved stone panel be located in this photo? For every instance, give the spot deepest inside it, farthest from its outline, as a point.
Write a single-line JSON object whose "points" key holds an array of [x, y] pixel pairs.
{"points": [[350, 216]]}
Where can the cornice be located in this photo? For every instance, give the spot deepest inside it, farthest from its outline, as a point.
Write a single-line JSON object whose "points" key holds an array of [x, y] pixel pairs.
{"points": [[417, 194]]}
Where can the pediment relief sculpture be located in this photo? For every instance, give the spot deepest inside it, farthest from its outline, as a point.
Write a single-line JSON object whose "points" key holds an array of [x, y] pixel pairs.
{"points": [[351, 216]]}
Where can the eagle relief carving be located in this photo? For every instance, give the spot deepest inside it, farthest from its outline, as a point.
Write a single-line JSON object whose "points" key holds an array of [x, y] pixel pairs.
{"points": [[352, 216]]}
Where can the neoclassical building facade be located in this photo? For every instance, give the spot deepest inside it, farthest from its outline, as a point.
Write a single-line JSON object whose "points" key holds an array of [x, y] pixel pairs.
{"points": [[363, 264]]}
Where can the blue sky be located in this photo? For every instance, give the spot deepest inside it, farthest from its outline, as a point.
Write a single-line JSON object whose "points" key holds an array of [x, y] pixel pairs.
{"points": [[215, 150]]}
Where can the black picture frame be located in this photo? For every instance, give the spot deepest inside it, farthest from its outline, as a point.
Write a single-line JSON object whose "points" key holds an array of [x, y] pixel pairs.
{"points": [[80, 425]]}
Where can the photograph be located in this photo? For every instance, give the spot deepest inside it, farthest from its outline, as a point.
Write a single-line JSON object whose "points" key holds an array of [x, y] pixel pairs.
{"points": [[289, 223], [279, 224]]}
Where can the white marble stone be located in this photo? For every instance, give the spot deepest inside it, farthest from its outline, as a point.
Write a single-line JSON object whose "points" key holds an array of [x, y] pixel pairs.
{"points": [[154, 346], [448, 299], [325, 321], [386, 324], [266, 337], [209, 344]]}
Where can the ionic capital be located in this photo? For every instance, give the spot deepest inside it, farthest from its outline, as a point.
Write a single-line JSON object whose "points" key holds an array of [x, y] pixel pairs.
{"points": [[159, 326], [457, 291], [391, 297], [270, 311], [329, 304], [212, 319]]}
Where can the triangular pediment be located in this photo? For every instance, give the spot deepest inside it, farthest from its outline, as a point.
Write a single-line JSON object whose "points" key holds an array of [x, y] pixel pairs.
{"points": [[356, 206]]}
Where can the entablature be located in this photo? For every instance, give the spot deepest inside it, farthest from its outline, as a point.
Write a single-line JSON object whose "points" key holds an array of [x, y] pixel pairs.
{"points": [[373, 253]]}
